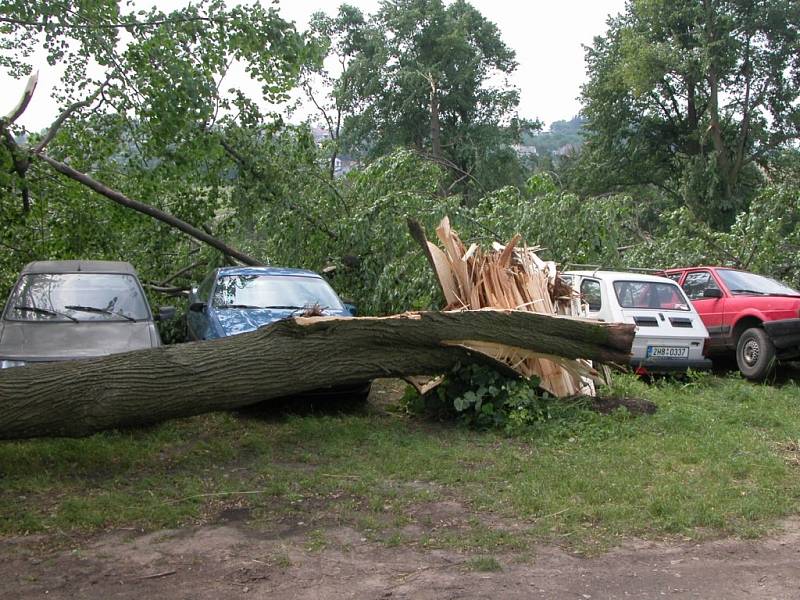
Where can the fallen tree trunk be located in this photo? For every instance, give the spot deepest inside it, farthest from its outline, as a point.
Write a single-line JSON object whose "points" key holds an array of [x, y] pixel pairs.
{"points": [[289, 357]]}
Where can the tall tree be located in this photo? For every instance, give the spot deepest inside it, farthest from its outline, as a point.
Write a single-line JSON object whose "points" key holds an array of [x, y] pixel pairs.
{"points": [[432, 77], [691, 96], [338, 39]]}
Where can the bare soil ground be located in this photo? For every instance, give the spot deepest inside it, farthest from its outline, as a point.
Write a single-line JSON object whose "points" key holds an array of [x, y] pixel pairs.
{"points": [[233, 558]]}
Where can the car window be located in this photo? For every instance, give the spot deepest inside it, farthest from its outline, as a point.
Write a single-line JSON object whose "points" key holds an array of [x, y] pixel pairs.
{"points": [[650, 294], [742, 282], [697, 282], [274, 291], [204, 291], [81, 296], [675, 276], [590, 291]]}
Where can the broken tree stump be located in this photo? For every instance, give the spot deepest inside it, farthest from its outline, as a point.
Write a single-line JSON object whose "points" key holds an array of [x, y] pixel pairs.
{"points": [[289, 357]]}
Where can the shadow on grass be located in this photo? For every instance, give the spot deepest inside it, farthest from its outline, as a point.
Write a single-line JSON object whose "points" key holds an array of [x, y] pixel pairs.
{"points": [[346, 399]]}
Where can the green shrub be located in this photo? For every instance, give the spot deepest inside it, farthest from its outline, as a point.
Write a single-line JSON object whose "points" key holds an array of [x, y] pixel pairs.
{"points": [[482, 398]]}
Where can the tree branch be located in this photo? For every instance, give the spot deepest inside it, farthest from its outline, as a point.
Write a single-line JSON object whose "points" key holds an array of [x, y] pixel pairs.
{"points": [[168, 290], [122, 25], [182, 271], [25, 100], [450, 165], [51, 133], [146, 209], [245, 164]]}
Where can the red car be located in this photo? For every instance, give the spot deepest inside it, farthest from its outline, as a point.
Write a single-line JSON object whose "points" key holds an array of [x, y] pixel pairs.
{"points": [[753, 316]]}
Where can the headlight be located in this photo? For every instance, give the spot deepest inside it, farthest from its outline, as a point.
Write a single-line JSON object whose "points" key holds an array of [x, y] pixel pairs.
{"points": [[6, 364]]}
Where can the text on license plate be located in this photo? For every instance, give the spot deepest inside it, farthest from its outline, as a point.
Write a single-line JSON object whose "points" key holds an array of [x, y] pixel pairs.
{"points": [[667, 352]]}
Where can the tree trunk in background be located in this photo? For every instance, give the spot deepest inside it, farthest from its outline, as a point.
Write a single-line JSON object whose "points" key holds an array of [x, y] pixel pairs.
{"points": [[436, 127], [77, 398]]}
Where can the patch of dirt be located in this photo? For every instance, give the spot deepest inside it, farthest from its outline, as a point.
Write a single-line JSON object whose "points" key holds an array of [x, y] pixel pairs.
{"points": [[235, 560], [636, 406]]}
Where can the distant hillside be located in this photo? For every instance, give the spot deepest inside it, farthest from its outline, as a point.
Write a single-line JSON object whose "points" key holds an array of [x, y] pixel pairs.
{"points": [[563, 135]]}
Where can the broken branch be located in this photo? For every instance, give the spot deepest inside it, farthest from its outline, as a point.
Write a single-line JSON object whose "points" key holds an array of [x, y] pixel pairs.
{"points": [[51, 133], [146, 209], [25, 100]]}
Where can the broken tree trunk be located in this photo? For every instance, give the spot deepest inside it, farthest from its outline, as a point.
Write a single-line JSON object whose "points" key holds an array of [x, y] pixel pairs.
{"points": [[508, 277], [289, 357]]}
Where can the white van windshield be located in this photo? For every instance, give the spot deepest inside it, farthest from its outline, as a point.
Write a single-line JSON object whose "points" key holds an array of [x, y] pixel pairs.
{"points": [[650, 294]]}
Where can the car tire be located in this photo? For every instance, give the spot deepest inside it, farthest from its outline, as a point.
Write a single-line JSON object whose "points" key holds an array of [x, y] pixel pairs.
{"points": [[755, 354]]}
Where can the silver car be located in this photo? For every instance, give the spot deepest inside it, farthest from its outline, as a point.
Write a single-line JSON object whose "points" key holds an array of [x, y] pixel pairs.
{"points": [[72, 309]]}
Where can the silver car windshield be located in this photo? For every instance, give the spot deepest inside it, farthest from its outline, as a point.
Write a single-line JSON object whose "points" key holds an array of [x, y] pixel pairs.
{"points": [[274, 291], [650, 294], [77, 296]]}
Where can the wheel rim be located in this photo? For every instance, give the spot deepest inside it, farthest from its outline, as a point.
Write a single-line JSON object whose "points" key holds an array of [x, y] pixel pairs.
{"points": [[751, 352]]}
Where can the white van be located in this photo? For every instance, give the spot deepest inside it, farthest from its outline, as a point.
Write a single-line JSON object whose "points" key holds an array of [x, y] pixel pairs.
{"points": [[670, 336]]}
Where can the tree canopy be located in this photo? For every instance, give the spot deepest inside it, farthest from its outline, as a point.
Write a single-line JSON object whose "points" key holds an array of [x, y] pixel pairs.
{"points": [[430, 76], [694, 97]]}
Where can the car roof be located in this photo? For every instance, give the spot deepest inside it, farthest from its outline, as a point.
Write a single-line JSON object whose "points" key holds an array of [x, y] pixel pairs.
{"points": [[79, 266], [269, 271], [674, 269], [620, 275]]}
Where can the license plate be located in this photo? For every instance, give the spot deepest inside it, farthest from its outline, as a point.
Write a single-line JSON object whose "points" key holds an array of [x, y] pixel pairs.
{"points": [[667, 352]]}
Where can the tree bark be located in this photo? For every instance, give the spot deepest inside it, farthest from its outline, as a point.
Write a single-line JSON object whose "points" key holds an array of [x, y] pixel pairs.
{"points": [[694, 147], [715, 126], [77, 398], [436, 127]]}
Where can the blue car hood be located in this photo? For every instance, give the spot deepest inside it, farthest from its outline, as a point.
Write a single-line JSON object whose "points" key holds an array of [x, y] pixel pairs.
{"points": [[241, 320]]}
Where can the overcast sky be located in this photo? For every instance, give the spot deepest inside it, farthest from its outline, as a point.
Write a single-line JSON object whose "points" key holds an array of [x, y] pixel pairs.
{"points": [[547, 35]]}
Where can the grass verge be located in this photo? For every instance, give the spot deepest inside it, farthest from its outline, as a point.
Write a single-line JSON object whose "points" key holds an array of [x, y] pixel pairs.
{"points": [[719, 457]]}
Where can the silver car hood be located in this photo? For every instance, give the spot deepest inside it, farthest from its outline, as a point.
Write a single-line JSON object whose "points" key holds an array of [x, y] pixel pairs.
{"points": [[43, 341]]}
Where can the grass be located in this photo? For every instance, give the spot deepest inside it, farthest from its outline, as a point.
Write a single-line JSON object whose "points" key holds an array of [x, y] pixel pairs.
{"points": [[484, 564], [719, 457]]}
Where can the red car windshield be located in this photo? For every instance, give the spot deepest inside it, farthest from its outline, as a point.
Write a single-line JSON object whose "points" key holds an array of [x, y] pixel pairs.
{"points": [[741, 282]]}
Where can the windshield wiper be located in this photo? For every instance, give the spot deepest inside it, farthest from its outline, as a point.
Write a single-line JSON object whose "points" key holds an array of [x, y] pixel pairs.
{"points": [[45, 311], [293, 307], [239, 306], [94, 309], [744, 291]]}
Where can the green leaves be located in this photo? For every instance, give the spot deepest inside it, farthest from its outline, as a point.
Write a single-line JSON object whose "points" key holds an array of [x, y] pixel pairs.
{"points": [[151, 131], [417, 74], [483, 398], [671, 100]]}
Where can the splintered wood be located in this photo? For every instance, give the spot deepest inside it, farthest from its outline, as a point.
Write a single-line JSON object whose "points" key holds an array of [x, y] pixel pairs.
{"points": [[508, 277]]}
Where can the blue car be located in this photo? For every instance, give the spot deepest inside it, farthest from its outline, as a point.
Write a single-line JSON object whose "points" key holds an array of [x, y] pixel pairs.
{"points": [[233, 300]]}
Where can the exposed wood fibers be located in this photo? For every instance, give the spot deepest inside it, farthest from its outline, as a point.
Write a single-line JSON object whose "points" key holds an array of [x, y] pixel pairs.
{"points": [[509, 277]]}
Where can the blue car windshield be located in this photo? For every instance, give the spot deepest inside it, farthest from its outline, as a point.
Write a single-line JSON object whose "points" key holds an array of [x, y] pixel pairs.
{"points": [[77, 296], [274, 291]]}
